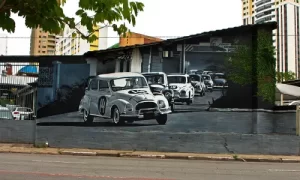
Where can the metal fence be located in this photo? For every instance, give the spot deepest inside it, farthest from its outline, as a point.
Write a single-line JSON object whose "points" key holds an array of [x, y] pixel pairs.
{"points": [[18, 90]]}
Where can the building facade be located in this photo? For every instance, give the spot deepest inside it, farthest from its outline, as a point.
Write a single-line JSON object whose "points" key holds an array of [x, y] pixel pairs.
{"points": [[70, 43], [132, 38], [286, 37], [41, 43]]}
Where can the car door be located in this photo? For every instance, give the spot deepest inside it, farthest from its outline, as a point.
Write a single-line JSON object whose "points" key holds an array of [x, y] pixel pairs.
{"points": [[103, 98], [92, 94]]}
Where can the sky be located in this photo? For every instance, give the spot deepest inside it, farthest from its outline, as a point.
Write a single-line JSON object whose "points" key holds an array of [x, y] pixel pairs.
{"points": [[161, 18]]}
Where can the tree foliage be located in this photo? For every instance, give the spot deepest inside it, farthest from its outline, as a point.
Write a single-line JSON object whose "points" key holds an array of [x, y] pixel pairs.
{"points": [[285, 76], [49, 15], [255, 66]]}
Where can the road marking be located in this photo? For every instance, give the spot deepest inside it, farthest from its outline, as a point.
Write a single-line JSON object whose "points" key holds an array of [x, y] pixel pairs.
{"points": [[283, 170], [64, 162], [76, 176]]}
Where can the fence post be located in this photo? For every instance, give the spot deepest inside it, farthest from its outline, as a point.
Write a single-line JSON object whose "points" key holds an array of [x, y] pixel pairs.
{"points": [[297, 120]]}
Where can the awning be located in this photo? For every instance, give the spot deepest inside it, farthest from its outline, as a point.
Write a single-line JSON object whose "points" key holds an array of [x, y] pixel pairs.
{"points": [[288, 89], [30, 69]]}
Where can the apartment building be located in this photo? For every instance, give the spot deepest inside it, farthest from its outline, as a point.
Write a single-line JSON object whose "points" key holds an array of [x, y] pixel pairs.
{"points": [[286, 37], [70, 43], [41, 43]]}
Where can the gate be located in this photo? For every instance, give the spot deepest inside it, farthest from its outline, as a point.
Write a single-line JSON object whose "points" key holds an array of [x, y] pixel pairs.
{"points": [[18, 87]]}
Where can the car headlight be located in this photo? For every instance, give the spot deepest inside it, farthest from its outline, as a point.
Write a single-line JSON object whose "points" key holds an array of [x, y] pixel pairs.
{"points": [[128, 107], [168, 95], [161, 104]]}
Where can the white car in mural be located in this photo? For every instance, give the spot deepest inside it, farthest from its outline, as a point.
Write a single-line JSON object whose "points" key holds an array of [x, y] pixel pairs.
{"points": [[198, 83], [182, 87], [123, 97]]}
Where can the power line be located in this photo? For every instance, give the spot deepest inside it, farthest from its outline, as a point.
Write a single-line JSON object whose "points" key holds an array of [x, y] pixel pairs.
{"points": [[132, 37]]}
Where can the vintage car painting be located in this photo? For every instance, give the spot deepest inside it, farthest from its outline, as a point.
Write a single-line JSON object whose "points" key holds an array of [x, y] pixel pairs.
{"points": [[182, 87], [158, 83], [198, 83], [123, 97], [208, 82]]}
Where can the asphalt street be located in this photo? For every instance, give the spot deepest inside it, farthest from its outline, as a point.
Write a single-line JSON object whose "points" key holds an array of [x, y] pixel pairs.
{"points": [[50, 167]]}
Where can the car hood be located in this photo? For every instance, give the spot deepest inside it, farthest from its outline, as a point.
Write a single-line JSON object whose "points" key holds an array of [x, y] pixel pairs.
{"points": [[135, 95]]}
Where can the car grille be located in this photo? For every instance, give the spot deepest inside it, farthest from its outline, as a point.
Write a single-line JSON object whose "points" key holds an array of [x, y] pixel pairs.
{"points": [[146, 105]]}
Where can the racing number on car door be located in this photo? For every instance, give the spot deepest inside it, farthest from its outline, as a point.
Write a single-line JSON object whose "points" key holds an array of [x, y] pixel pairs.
{"points": [[104, 93], [102, 105]]}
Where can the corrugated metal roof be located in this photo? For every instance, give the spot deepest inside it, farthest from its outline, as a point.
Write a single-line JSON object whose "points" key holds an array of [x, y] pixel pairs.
{"points": [[272, 25], [16, 80]]}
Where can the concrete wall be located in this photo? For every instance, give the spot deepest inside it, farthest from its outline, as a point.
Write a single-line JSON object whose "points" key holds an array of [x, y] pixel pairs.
{"points": [[17, 131], [175, 142]]}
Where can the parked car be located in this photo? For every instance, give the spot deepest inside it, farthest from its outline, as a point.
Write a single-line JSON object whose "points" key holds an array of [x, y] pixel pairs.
{"points": [[208, 82], [294, 103], [193, 71], [11, 107], [122, 97], [220, 80], [158, 83], [198, 83], [182, 87], [5, 114], [206, 72], [23, 113]]}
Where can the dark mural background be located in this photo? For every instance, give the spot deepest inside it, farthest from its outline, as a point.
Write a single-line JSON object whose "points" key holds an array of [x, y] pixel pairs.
{"points": [[60, 88]]}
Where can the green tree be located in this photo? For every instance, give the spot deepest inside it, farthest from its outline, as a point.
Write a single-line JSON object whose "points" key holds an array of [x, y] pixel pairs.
{"points": [[285, 76], [255, 66], [49, 15]]}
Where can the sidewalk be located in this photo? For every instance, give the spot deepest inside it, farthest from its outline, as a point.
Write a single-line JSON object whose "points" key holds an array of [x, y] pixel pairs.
{"points": [[30, 149]]}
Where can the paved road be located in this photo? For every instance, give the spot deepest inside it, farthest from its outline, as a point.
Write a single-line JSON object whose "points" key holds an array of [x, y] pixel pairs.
{"points": [[42, 167]]}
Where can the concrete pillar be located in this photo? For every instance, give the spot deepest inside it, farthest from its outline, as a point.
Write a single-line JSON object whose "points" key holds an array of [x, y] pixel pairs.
{"points": [[136, 61], [117, 68], [93, 62]]}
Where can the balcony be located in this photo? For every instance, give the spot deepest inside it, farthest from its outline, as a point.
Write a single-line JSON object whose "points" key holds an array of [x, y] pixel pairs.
{"points": [[265, 13], [261, 2], [265, 7], [265, 19]]}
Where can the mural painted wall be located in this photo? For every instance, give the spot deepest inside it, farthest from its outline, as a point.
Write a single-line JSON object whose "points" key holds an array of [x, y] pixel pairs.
{"points": [[60, 88]]}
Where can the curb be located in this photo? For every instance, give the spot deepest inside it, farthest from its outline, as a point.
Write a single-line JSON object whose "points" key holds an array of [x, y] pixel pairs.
{"points": [[161, 156]]}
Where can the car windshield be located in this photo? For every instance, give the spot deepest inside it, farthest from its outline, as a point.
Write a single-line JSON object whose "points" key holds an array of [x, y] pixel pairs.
{"points": [[128, 83], [219, 76], [206, 77], [177, 79], [195, 78], [5, 114], [154, 79], [22, 109]]}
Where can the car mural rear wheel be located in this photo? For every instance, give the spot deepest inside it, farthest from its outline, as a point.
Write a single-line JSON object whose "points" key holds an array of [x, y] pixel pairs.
{"points": [[162, 119], [87, 118], [116, 116]]}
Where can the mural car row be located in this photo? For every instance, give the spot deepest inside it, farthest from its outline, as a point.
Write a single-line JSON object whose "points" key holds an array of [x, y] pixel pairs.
{"points": [[126, 97]]}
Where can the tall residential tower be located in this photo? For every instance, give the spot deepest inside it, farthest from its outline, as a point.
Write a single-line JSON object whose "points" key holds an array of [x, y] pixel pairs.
{"points": [[286, 38]]}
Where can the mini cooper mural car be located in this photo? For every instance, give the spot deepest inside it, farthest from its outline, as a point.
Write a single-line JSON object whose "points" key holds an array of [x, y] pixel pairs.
{"points": [[182, 87], [158, 83], [198, 83], [123, 97], [208, 82]]}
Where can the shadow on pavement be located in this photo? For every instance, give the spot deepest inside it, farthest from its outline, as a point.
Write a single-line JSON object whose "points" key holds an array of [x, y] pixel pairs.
{"points": [[95, 124]]}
